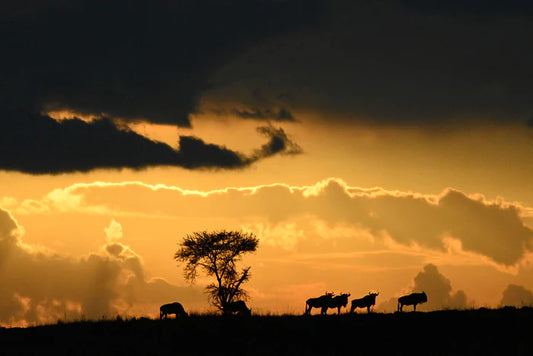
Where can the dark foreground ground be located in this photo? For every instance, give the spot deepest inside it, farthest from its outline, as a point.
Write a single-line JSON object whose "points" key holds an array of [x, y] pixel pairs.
{"points": [[505, 331]]}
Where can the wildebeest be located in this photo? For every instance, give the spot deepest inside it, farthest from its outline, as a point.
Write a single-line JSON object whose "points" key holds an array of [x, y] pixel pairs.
{"points": [[365, 302], [319, 302], [412, 299], [237, 307], [172, 308], [336, 302]]}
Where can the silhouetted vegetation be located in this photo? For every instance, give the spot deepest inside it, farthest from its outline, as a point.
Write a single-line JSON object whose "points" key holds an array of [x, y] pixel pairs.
{"points": [[216, 253], [505, 331]]}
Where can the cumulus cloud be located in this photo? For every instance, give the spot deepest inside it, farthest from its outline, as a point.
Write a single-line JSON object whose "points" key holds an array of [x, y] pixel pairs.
{"points": [[40, 287], [451, 222], [438, 289], [517, 296]]}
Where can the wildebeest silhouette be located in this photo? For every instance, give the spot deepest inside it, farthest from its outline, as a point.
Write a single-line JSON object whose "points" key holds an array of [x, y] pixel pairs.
{"points": [[319, 302], [366, 302], [412, 299], [172, 308], [338, 302], [237, 307]]}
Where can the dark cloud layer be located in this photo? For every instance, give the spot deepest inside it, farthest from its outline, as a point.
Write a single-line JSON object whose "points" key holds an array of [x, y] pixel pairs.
{"points": [[265, 114], [407, 63], [38, 144], [410, 63], [479, 8], [133, 60]]}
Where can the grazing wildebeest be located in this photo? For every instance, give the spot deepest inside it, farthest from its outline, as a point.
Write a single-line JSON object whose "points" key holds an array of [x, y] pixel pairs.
{"points": [[365, 302], [319, 302], [237, 307], [412, 299], [172, 308], [336, 302]]}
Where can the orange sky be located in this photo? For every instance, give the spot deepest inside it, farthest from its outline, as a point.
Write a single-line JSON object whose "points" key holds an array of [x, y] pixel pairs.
{"points": [[322, 224], [371, 146]]}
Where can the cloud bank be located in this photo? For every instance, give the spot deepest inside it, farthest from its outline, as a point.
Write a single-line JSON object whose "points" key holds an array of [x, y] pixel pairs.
{"points": [[452, 222], [42, 287], [395, 63], [128, 60], [263, 60], [136, 59]]}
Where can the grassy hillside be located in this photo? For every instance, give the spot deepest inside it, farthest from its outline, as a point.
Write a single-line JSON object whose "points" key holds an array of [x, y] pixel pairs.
{"points": [[502, 331]]}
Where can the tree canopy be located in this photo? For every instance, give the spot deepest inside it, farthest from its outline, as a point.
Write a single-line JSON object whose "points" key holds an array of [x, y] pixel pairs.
{"points": [[217, 253]]}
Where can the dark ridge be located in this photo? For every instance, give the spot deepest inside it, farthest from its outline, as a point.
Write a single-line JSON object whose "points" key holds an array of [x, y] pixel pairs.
{"points": [[503, 331]]}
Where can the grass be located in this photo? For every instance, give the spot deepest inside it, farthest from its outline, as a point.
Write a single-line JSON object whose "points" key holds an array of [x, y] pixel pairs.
{"points": [[449, 332]]}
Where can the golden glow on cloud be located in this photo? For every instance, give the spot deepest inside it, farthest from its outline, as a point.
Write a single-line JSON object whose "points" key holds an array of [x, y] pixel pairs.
{"points": [[60, 115], [324, 236]]}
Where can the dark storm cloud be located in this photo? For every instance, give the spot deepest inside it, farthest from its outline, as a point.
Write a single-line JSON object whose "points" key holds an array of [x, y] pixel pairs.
{"points": [[134, 60], [278, 142], [265, 114], [131, 59], [479, 8], [38, 144], [408, 63]]}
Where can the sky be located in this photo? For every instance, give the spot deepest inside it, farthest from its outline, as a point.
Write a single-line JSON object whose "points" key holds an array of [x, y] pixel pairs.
{"points": [[370, 146]]}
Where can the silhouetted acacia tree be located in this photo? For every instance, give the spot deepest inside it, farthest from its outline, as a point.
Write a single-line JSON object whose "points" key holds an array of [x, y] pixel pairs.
{"points": [[217, 253]]}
